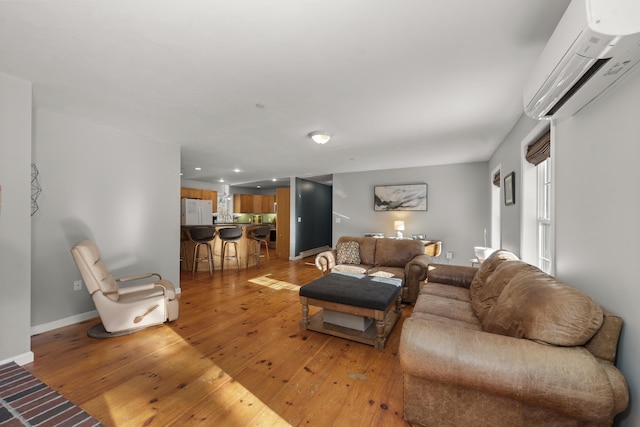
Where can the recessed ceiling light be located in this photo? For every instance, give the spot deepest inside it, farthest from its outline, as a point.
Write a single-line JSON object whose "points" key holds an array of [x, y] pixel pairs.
{"points": [[274, 180], [258, 186], [198, 169], [221, 180], [236, 170], [320, 136]]}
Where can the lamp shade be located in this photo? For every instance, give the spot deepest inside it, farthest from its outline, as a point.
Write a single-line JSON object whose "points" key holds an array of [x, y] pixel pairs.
{"points": [[398, 225]]}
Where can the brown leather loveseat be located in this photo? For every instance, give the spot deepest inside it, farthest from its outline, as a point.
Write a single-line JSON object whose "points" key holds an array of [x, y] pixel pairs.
{"points": [[508, 345], [404, 259]]}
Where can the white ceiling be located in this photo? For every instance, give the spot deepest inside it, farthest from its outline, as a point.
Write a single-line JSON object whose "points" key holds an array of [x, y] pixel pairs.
{"points": [[240, 84]]}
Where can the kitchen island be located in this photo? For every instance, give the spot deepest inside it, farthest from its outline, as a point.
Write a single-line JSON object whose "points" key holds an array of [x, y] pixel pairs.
{"points": [[246, 247]]}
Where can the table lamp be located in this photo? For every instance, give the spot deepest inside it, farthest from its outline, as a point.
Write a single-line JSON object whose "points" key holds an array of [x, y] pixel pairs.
{"points": [[399, 227]]}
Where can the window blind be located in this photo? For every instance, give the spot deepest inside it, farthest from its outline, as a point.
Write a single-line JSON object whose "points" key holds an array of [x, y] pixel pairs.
{"points": [[540, 150]]}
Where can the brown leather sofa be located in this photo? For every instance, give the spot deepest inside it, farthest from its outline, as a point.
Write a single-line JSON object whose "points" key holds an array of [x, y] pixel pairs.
{"points": [[404, 259], [508, 345]]}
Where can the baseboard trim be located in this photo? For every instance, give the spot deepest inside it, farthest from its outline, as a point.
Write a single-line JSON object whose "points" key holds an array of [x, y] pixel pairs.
{"points": [[46, 327], [20, 359]]}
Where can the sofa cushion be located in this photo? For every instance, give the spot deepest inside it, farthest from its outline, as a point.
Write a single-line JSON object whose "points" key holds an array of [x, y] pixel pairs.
{"points": [[382, 271], [397, 253], [350, 268], [484, 291], [445, 307], [446, 321], [536, 306], [348, 253], [447, 291], [367, 247]]}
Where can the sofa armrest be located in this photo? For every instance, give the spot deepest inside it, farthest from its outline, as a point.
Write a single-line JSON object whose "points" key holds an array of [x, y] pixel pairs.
{"points": [[326, 260], [454, 275], [415, 272], [564, 379]]}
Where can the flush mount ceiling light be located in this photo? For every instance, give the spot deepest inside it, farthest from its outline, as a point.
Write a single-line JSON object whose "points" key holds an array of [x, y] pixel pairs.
{"points": [[320, 136]]}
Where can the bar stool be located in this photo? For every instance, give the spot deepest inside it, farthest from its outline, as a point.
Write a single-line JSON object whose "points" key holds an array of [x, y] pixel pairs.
{"points": [[202, 236], [229, 235], [260, 236]]}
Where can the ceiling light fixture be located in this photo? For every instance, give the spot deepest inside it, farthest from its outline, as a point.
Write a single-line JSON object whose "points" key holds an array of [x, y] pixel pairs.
{"points": [[198, 169], [320, 136]]}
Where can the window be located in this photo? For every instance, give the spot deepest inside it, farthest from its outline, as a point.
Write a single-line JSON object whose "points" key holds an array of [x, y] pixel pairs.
{"points": [[544, 216]]}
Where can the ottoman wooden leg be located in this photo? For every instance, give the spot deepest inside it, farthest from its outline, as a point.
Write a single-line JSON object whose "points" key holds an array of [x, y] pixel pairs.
{"points": [[305, 313], [380, 339]]}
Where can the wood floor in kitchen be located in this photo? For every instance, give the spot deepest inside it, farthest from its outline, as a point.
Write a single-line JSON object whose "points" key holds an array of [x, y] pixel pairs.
{"points": [[235, 357]]}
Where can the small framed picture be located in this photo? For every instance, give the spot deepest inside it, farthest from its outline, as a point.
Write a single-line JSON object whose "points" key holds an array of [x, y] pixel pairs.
{"points": [[510, 189]]}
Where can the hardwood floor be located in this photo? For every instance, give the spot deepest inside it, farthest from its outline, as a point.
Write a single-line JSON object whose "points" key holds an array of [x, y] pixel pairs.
{"points": [[235, 357]]}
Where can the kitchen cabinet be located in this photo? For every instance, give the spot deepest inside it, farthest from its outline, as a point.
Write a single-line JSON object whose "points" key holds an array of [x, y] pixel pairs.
{"points": [[243, 203], [253, 203], [190, 193], [257, 203], [268, 204]]}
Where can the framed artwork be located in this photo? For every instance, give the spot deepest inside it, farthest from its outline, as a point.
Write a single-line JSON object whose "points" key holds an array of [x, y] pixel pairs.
{"points": [[510, 189], [409, 197]]}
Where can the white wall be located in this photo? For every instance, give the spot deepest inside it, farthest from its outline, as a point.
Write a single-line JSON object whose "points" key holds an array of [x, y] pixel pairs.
{"points": [[15, 220], [117, 189], [458, 211], [598, 215]]}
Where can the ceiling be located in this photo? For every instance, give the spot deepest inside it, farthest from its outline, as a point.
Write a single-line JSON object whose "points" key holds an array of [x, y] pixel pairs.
{"points": [[240, 84]]}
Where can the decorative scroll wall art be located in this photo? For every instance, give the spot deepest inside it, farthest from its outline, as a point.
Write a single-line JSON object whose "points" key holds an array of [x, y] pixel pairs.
{"points": [[409, 197], [35, 189]]}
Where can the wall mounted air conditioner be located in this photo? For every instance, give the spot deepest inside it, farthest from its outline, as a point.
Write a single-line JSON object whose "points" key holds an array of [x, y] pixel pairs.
{"points": [[595, 43]]}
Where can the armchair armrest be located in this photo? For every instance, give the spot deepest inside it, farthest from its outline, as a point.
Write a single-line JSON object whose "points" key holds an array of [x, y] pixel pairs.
{"points": [[569, 380], [325, 261], [454, 275], [138, 277], [136, 288]]}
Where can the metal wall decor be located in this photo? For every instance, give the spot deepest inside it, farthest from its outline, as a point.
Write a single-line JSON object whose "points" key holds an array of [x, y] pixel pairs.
{"points": [[35, 189]]}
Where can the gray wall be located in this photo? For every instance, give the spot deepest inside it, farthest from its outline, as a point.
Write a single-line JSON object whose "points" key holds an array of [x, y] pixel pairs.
{"points": [[458, 198], [598, 215], [597, 207], [117, 189], [509, 157], [15, 220]]}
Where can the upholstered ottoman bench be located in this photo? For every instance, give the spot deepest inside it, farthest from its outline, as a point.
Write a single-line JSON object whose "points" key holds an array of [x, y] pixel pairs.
{"points": [[347, 298]]}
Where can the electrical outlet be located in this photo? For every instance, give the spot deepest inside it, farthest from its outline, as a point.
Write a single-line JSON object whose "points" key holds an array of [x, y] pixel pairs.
{"points": [[449, 255], [77, 285]]}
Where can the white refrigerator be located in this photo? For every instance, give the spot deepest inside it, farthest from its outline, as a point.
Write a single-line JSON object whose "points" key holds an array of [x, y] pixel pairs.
{"points": [[196, 212]]}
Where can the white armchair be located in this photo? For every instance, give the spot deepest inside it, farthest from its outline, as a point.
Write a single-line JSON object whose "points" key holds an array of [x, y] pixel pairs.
{"points": [[124, 308]]}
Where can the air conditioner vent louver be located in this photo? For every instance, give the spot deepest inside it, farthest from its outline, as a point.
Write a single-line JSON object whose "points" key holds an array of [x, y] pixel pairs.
{"points": [[571, 71]]}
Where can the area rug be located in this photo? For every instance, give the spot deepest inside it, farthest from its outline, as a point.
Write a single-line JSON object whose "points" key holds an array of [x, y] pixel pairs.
{"points": [[27, 401]]}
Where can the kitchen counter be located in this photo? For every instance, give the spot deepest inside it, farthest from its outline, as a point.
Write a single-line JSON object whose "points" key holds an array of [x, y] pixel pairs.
{"points": [[245, 245]]}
